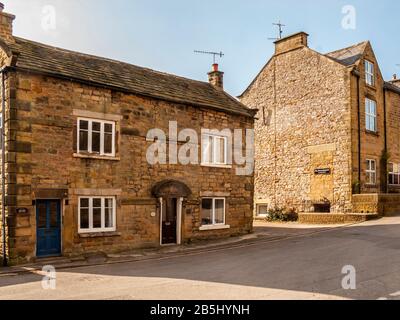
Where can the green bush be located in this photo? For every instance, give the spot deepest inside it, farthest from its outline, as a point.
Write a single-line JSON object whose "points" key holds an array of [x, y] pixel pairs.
{"points": [[283, 215]]}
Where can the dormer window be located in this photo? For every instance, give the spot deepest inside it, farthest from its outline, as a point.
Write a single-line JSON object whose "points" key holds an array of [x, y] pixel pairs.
{"points": [[369, 73]]}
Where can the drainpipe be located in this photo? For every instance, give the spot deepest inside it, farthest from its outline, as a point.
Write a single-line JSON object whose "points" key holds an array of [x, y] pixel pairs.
{"points": [[3, 167], [386, 187], [357, 74]]}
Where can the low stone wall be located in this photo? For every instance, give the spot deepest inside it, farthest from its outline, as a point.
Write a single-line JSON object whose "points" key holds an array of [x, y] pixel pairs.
{"points": [[334, 218], [381, 204]]}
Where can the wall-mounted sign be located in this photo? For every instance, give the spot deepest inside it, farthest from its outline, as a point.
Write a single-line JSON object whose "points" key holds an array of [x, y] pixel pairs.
{"points": [[22, 210], [322, 171]]}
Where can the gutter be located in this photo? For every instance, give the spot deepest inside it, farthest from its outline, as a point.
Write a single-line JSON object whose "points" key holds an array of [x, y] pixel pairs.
{"points": [[3, 167]]}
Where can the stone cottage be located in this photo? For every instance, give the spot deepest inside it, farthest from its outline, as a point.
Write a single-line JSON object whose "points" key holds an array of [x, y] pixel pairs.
{"points": [[77, 178], [327, 134]]}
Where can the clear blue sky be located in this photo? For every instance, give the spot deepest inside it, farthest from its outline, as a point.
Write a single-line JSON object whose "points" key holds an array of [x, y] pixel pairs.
{"points": [[162, 34]]}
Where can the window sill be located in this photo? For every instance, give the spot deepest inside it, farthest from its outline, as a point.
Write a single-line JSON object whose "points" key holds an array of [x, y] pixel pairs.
{"points": [[371, 186], [95, 157], [214, 227], [370, 86], [221, 166], [373, 133], [100, 234]]}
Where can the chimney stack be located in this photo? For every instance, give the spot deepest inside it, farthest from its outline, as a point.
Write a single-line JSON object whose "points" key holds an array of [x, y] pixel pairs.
{"points": [[292, 42], [6, 25], [395, 80], [216, 77]]}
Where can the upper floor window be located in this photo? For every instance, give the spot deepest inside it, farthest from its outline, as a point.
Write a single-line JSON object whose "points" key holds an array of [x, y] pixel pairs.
{"points": [[369, 73], [213, 211], [215, 150], [371, 172], [394, 173], [97, 214], [96, 137], [371, 115]]}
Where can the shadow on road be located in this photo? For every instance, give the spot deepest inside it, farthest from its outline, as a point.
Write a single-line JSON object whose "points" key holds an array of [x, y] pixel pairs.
{"points": [[311, 263]]}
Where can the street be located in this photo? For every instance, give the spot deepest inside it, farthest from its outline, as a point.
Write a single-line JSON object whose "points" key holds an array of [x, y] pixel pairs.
{"points": [[308, 267]]}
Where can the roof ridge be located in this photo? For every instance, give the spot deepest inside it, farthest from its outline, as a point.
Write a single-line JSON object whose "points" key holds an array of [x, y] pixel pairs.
{"points": [[111, 60]]}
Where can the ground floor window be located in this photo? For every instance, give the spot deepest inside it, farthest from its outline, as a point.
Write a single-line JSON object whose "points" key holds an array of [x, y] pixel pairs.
{"points": [[262, 210], [394, 174], [97, 214], [213, 211], [371, 172]]}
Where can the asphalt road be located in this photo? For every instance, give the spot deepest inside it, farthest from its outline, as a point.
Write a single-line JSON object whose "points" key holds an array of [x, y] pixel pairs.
{"points": [[308, 267]]}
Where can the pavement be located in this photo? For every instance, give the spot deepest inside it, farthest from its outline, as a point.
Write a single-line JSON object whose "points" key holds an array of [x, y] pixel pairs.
{"points": [[278, 261]]}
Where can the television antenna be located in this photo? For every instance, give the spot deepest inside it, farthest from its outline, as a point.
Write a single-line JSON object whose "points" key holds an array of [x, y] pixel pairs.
{"points": [[280, 30], [214, 54]]}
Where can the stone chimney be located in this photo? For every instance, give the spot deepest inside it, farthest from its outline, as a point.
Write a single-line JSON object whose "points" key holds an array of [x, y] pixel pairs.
{"points": [[216, 77], [395, 80], [289, 43], [6, 25]]}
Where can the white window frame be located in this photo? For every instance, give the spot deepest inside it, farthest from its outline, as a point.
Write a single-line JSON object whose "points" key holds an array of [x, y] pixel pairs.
{"points": [[205, 158], [258, 205], [102, 229], [394, 174], [90, 133], [371, 172], [369, 72], [371, 114], [213, 211]]}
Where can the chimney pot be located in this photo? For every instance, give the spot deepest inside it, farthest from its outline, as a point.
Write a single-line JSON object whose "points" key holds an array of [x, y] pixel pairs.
{"points": [[215, 67], [395, 77], [1, 7]]}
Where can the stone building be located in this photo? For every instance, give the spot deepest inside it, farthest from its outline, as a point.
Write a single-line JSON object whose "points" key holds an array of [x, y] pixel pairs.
{"points": [[77, 175], [327, 134]]}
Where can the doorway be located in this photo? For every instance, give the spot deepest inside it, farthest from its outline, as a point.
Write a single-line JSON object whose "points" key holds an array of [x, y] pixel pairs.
{"points": [[171, 195], [169, 221], [48, 228]]}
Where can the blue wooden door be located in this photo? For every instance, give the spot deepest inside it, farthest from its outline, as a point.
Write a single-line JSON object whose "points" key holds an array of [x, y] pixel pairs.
{"points": [[48, 221]]}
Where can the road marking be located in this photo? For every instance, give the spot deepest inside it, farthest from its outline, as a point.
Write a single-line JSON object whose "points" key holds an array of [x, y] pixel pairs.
{"points": [[396, 294]]}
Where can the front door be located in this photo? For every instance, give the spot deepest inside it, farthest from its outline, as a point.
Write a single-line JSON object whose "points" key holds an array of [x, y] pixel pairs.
{"points": [[169, 220], [48, 220]]}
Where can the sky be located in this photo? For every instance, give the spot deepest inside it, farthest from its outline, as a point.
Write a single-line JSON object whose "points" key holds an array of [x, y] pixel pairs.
{"points": [[163, 34]]}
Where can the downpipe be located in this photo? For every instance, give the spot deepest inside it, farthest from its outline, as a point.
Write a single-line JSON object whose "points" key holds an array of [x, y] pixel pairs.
{"points": [[3, 167]]}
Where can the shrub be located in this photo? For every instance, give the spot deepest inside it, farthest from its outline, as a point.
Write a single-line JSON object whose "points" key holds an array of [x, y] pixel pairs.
{"points": [[283, 215]]}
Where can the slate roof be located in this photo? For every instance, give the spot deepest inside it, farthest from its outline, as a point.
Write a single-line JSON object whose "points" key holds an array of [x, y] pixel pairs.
{"points": [[392, 87], [349, 56], [42, 58]]}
